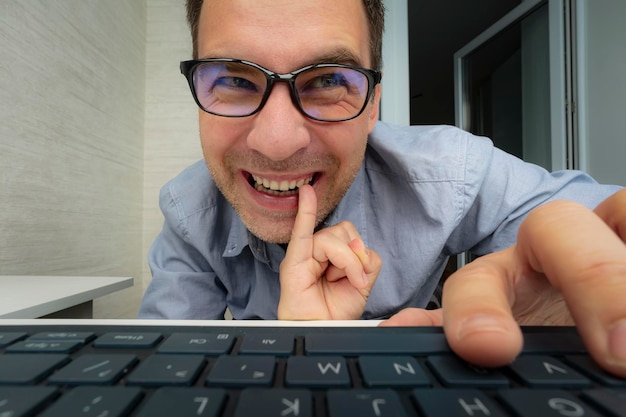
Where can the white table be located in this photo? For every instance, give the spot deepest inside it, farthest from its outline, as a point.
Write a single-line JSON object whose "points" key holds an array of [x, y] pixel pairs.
{"points": [[27, 296]]}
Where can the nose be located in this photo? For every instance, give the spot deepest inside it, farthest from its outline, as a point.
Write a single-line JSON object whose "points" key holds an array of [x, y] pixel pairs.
{"points": [[279, 129]]}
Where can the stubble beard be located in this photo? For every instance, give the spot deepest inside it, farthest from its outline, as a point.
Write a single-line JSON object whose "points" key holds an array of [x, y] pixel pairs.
{"points": [[271, 226]]}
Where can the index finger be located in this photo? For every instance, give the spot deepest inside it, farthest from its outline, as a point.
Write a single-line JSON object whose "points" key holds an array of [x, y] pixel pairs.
{"points": [[562, 247], [588, 265], [300, 248]]}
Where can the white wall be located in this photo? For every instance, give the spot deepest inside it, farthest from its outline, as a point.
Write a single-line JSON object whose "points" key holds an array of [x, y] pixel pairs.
{"points": [[95, 118], [171, 140], [71, 141], [602, 69], [536, 103], [395, 102]]}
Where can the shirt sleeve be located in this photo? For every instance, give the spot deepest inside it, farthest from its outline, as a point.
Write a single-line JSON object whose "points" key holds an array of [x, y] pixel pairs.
{"points": [[497, 197], [183, 286]]}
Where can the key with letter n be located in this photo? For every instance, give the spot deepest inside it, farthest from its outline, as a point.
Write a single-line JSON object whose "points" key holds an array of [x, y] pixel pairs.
{"points": [[383, 370]]}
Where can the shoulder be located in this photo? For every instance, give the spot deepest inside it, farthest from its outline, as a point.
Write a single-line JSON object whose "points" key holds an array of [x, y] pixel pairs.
{"points": [[426, 153], [190, 192]]}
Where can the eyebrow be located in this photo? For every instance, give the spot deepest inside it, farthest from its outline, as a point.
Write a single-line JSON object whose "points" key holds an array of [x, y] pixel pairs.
{"points": [[243, 69], [340, 56]]}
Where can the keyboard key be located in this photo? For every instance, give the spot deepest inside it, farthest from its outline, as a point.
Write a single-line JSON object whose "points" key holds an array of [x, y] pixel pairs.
{"points": [[184, 402], [24, 401], [95, 402], [81, 337], [457, 403], [242, 371], [28, 368], [365, 403], [562, 340], [128, 340], [274, 402], [545, 371], [159, 370], [6, 338], [323, 371], [585, 364], [363, 344], [611, 401], [392, 371], [454, 372], [206, 344], [94, 369], [33, 346], [278, 345], [534, 403]]}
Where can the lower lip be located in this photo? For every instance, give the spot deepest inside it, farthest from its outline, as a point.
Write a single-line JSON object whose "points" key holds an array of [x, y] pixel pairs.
{"points": [[273, 202]]}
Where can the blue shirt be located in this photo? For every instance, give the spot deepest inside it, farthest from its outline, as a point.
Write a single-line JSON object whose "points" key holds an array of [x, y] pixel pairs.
{"points": [[423, 193]]}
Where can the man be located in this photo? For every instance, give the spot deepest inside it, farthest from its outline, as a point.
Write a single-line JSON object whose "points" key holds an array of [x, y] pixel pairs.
{"points": [[311, 209]]}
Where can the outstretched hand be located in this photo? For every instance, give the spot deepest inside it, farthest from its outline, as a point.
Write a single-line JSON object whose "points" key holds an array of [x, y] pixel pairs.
{"points": [[326, 275], [568, 267]]}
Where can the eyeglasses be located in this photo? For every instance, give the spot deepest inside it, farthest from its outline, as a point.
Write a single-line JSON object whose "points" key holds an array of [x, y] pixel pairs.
{"points": [[236, 88]]}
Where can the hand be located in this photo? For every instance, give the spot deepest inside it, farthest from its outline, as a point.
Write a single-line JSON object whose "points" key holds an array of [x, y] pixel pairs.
{"points": [[567, 267], [326, 275]]}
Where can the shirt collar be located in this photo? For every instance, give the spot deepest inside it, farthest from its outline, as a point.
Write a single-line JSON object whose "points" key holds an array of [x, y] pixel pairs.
{"points": [[237, 237]]}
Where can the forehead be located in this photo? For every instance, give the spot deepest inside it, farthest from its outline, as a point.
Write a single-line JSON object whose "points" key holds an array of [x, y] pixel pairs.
{"points": [[284, 34]]}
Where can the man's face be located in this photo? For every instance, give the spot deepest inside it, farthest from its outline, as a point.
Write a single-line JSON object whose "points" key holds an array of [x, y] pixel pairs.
{"points": [[279, 145]]}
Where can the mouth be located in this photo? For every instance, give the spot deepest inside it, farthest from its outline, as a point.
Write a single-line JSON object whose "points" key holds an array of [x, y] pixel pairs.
{"points": [[279, 188]]}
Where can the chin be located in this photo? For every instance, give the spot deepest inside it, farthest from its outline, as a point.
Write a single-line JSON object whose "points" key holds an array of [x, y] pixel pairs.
{"points": [[272, 231], [273, 236]]}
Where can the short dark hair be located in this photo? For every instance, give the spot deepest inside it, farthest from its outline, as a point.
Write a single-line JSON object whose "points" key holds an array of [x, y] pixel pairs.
{"points": [[374, 9]]}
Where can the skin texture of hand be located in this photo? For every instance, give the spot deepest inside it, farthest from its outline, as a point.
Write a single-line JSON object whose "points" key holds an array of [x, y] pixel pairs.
{"points": [[568, 267], [326, 275]]}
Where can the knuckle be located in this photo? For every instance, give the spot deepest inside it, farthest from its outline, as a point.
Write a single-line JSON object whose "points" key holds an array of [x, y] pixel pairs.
{"points": [[553, 211]]}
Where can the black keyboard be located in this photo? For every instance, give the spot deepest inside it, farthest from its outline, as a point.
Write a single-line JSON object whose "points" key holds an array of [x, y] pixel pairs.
{"points": [[53, 370]]}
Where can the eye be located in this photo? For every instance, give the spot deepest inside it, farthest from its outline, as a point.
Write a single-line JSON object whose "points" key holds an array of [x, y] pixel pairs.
{"points": [[327, 81], [235, 82]]}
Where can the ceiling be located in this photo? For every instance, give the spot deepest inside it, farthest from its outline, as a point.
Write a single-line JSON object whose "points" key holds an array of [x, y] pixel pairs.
{"points": [[437, 29]]}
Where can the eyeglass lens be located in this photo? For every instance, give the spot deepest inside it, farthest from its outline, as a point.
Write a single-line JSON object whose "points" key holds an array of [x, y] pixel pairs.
{"points": [[238, 89]]}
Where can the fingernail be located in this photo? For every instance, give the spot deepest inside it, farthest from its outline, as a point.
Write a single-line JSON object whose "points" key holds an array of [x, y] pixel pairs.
{"points": [[481, 323], [617, 341]]}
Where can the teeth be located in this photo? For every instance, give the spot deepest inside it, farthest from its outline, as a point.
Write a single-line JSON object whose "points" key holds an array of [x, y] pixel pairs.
{"points": [[272, 185]]}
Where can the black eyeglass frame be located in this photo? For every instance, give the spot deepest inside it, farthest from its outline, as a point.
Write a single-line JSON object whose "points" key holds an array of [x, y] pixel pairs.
{"points": [[373, 78]]}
